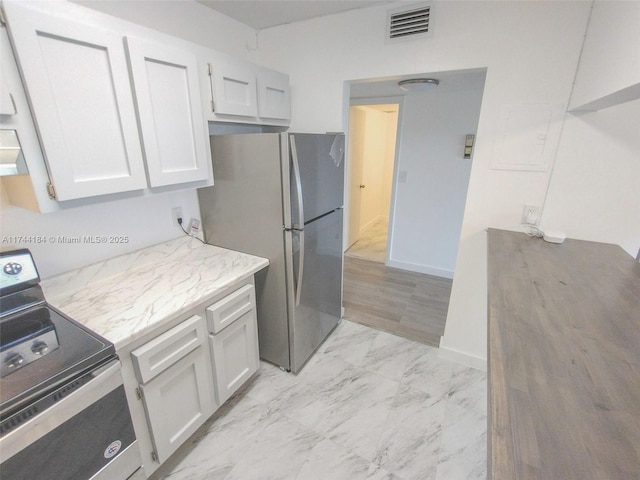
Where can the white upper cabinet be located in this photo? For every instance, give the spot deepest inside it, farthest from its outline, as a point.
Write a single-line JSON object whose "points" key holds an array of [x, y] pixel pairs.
{"points": [[118, 107], [245, 92], [169, 110], [78, 84], [233, 83], [273, 95]]}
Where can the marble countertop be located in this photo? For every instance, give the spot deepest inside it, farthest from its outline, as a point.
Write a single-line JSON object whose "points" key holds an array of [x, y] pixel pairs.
{"points": [[128, 296]]}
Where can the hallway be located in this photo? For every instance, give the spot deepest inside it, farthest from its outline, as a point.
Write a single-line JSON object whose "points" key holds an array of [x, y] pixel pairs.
{"points": [[408, 304], [372, 244]]}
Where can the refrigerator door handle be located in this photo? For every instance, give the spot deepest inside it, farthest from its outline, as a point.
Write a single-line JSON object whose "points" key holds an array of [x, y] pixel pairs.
{"points": [[298, 182], [300, 268]]}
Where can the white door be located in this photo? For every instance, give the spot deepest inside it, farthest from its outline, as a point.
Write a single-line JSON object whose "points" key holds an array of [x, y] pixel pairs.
{"points": [[235, 354], [273, 95], [77, 80], [233, 83], [169, 109], [356, 159], [178, 401]]}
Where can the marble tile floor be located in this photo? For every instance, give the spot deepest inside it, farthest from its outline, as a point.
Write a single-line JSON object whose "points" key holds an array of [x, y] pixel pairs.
{"points": [[368, 405], [372, 244]]}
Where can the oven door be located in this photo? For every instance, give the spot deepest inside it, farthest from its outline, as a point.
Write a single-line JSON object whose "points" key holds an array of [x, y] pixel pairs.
{"points": [[86, 435]]}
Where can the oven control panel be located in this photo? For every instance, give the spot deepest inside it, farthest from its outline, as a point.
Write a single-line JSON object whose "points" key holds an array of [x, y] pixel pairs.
{"points": [[16, 268]]}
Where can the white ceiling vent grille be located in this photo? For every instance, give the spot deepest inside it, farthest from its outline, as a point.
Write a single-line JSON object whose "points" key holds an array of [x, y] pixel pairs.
{"points": [[409, 23]]}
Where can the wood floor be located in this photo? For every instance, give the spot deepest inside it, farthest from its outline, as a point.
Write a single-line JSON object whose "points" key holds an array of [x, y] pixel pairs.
{"points": [[407, 304]]}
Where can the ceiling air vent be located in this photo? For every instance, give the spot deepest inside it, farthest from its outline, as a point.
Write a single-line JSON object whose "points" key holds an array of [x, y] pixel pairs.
{"points": [[409, 22]]}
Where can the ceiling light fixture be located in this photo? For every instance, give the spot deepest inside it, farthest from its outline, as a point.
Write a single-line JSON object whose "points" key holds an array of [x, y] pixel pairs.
{"points": [[418, 84]]}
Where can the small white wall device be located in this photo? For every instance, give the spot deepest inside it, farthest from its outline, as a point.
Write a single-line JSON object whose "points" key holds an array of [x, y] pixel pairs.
{"points": [[554, 236]]}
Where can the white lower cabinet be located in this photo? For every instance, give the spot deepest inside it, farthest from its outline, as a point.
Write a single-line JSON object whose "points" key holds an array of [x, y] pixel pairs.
{"points": [[235, 356], [234, 340], [176, 380], [178, 402], [176, 385]]}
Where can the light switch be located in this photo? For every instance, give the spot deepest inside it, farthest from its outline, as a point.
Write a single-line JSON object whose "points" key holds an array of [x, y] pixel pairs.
{"points": [[468, 145], [469, 141]]}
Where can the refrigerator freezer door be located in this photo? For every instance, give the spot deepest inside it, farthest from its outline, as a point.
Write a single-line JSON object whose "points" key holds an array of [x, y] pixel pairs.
{"points": [[243, 211], [321, 286], [321, 162]]}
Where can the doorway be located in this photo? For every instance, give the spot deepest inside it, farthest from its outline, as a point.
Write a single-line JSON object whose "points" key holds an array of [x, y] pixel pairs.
{"points": [[372, 152], [407, 293]]}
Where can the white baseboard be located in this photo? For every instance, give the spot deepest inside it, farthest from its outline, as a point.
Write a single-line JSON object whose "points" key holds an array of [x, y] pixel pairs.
{"points": [[427, 270], [462, 357], [370, 223]]}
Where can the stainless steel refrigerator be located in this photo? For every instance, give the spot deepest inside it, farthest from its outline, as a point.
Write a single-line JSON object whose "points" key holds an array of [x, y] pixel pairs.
{"points": [[280, 196]]}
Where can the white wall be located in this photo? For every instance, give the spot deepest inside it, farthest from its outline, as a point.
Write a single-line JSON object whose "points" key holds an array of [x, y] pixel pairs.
{"points": [[143, 220], [185, 19], [429, 206], [609, 68], [530, 49], [389, 161], [595, 189]]}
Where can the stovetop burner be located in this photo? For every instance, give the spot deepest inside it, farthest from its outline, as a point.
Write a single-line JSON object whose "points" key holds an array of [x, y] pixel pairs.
{"points": [[25, 338], [40, 347], [19, 329]]}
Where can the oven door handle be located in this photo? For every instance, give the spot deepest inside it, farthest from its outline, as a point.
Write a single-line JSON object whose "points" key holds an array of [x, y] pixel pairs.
{"points": [[107, 378]]}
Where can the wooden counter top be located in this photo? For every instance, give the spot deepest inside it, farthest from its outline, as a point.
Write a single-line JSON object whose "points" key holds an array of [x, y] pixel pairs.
{"points": [[564, 360]]}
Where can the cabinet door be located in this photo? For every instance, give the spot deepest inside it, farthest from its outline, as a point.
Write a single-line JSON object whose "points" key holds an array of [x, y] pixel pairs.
{"points": [[235, 355], [273, 95], [178, 401], [77, 80], [169, 110], [233, 83]]}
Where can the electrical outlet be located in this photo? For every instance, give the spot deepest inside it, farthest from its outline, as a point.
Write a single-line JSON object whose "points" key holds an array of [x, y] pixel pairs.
{"points": [[194, 227], [176, 213], [531, 215]]}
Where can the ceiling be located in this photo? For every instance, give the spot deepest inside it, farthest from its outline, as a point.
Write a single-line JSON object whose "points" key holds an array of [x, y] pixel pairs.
{"points": [[450, 81], [260, 14]]}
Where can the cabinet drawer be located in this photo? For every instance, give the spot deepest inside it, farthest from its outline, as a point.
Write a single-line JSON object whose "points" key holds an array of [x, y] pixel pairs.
{"points": [[166, 349], [230, 308]]}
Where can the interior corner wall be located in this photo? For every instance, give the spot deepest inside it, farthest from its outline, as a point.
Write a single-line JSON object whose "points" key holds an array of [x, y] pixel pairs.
{"points": [[186, 19], [530, 50], [595, 189], [389, 161]]}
